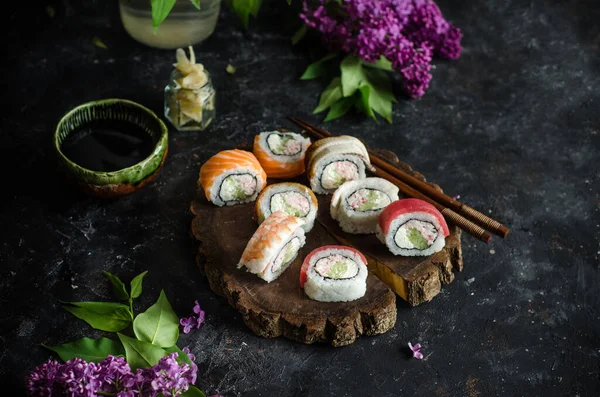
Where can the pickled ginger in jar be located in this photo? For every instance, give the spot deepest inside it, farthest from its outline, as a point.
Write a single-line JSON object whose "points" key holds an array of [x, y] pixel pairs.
{"points": [[190, 95]]}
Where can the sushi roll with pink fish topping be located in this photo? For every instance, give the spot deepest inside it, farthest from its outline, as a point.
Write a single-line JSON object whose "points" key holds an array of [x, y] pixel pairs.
{"points": [[412, 227], [274, 246], [334, 273]]}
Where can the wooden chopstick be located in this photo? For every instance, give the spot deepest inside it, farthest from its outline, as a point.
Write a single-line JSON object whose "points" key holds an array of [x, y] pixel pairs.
{"points": [[407, 190], [460, 208]]}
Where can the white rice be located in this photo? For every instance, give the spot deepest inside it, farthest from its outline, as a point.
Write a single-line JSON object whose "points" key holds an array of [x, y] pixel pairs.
{"points": [[391, 242], [359, 222], [324, 289]]}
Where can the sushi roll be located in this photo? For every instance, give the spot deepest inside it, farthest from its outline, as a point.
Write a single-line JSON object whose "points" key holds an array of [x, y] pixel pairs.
{"points": [[232, 177], [334, 273], [281, 154], [356, 205], [333, 161], [292, 198], [274, 246], [412, 227]]}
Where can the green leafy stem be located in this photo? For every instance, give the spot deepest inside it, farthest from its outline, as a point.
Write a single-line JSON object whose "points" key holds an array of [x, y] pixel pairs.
{"points": [[155, 331], [366, 86]]}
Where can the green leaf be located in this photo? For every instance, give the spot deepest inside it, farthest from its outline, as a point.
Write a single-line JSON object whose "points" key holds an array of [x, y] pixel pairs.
{"points": [[332, 94], [382, 64], [183, 357], [255, 8], [159, 324], [339, 109], [352, 74], [99, 43], [196, 3], [289, 2], [245, 8], [380, 95], [136, 285], [193, 391], [140, 354], [160, 10], [364, 103], [118, 287], [105, 316], [318, 68], [91, 350], [299, 35]]}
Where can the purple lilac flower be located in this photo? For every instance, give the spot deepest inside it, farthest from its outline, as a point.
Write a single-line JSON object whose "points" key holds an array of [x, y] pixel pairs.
{"points": [[42, 380], [416, 350], [170, 377], [193, 321], [115, 375], [407, 32], [78, 378]]}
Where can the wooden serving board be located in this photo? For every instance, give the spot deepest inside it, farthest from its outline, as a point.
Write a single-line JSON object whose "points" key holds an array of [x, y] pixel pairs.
{"points": [[281, 307]]}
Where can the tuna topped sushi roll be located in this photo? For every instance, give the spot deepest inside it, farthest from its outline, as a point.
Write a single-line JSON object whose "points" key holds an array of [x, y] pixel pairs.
{"points": [[281, 154], [232, 177], [356, 205], [274, 246], [412, 227], [292, 198], [334, 273], [333, 161]]}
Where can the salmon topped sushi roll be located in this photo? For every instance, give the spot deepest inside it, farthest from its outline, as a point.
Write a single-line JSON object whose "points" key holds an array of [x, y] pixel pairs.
{"points": [[274, 246], [232, 177], [281, 153], [412, 227]]}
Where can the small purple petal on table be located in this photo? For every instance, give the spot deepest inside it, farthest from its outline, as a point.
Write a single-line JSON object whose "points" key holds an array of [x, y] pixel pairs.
{"points": [[416, 350]]}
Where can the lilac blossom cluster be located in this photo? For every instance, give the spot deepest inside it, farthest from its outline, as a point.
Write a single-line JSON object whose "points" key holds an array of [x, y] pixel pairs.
{"points": [[406, 32], [193, 321], [112, 377]]}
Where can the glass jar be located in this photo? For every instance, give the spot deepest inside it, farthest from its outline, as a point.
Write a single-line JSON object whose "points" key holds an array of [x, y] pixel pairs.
{"points": [[185, 25], [189, 109]]}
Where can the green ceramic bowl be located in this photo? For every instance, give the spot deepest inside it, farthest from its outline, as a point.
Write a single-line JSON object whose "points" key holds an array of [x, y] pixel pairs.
{"points": [[123, 181]]}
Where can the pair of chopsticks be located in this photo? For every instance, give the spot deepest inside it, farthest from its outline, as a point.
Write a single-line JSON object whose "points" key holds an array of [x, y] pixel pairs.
{"points": [[460, 214]]}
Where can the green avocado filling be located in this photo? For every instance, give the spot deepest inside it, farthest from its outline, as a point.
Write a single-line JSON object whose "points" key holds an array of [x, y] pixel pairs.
{"points": [[372, 202], [416, 239], [337, 178], [230, 185], [337, 270], [281, 146], [290, 253], [279, 200]]}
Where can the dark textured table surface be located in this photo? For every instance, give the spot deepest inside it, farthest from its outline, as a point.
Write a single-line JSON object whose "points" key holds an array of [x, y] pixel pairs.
{"points": [[512, 126]]}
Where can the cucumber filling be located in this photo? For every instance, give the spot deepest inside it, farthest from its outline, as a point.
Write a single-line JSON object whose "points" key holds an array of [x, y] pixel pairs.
{"points": [[416, 234], [287, 254], [336, 267], [368, 200], [338, 172], [292, 203], [237, 187], [284, 144]]}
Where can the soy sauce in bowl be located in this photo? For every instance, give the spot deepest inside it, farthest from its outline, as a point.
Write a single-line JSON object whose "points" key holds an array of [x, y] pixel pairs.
{"points": [[108, 145]]}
